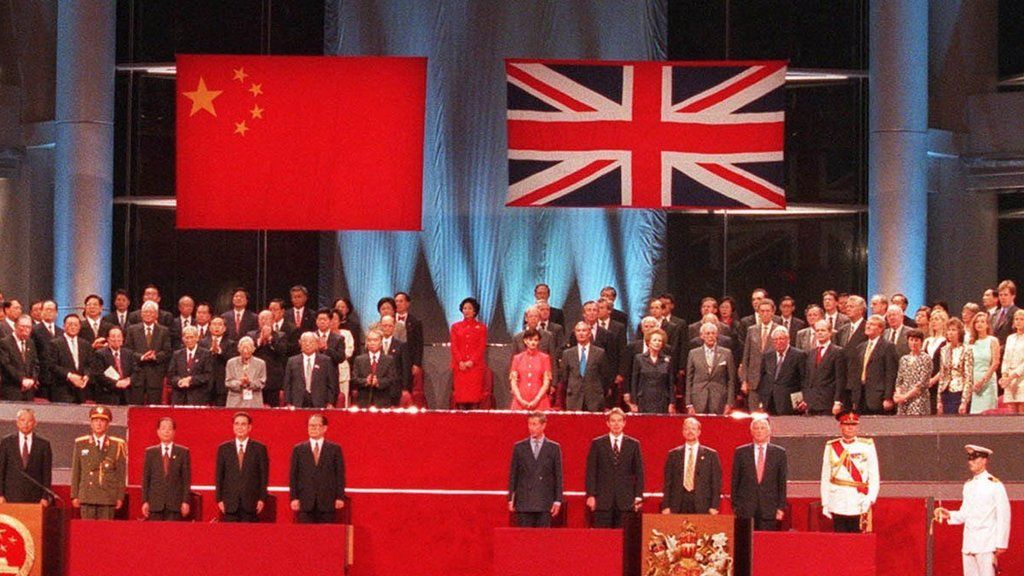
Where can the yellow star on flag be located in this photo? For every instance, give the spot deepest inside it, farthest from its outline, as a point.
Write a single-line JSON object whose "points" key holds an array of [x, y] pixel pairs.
{"points": [[240, 75], [256, 89], [241, 128], [256, 111], [202, 98]]}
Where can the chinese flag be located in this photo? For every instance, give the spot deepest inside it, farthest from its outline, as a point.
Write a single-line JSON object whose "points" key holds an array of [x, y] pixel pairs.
{"points": [[300, 143]]}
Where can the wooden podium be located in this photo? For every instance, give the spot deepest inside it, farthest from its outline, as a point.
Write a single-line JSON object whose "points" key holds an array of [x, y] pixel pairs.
{"points": [[693, 545], [30, 539]]}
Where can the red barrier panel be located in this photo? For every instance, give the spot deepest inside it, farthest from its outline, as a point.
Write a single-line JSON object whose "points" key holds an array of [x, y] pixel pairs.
{"points": [[803, 553], [533, 551], [110, 548]]}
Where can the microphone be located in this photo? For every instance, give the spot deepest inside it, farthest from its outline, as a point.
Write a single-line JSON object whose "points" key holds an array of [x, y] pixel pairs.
{"points": [[39, 485]]}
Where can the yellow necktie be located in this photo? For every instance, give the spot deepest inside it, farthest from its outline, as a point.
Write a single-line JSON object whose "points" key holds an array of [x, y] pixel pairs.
{"points": [[691, 463]]}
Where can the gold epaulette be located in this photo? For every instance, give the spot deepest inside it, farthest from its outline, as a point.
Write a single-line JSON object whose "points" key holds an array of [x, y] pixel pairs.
{"points": [[994, 479], [866, 440], [116, 439], [81, 438], [829, 442]]}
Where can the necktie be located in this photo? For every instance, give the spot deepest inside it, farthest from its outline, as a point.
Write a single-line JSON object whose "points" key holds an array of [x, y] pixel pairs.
{"points": [[149, 336], [24, 453], [73, 346], [709, 357], [238, 323], [1002, 317], [309, 374], [202, 331], [583, 361], [24, 353], [764, 337], [95, 327], [536, 449], [167, 461], [691, 463], [117, 362], [760, 463], [616, 451], [892, 337], [778, 364], [867, 356], [298, 317], [241, 455], [50, 328], [373, 363], [821, 350], [120, 319], [785, 322], [316, 453], [831, 324], [99, 444], [188, 360], [387, 345]]}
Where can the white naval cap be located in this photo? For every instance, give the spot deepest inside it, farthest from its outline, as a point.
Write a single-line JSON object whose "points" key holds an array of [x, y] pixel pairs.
{"points": [[975, 451]]}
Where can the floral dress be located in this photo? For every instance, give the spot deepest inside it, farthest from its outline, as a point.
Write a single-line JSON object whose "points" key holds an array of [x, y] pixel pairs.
{"points": [[914, 372]]}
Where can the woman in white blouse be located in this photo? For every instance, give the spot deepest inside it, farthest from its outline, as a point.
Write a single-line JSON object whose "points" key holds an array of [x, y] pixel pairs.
{"points": [[344, 369], [1013, 366]]}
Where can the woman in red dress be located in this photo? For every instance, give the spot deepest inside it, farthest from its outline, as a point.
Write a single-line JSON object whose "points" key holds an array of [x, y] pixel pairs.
{"points": [[469, 349], [530, 376]]}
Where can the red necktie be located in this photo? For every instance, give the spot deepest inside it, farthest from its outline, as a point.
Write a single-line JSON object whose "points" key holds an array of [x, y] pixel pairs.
{"points": [[238, 323], [117, 363], [760, 463], [373, 364], [298, 317], [167, 462], [820, 350], [188, 361], [24, 453]]}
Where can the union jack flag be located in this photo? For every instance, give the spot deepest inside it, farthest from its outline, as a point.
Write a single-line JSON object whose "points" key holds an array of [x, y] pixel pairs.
{"points": [[646, 134]]}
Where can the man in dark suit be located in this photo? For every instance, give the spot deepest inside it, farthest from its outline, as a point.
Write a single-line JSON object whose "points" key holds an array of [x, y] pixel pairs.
{"points": [[310, 379], [901, 301], [693, 476], [604, 340], [317, 476], [329, 343], [112, 371], [896, 332], [756, 342], [547, 340], [535, 476], [239, 321], [543, 292], [610, 294], [759, 471], [547, 324], [9, 318], [825, 374], [25, 457], [617, 343], [584, 372], [782, 374], [151, 294], [413, 331], [189, 372], [710, 375], [242, 473], [873, 371], [274, 348], [392, 346], [789, 320], [835, 317], [43, 334], [850, 336], [806, 338], [300, 317], [150, 342], [166, 476], [221, 350], [1002, 319], [119, 315], [19, 363], [755, 319], [70, 364], [615, 474], [184, 319], [374, 374], [94, 327]]}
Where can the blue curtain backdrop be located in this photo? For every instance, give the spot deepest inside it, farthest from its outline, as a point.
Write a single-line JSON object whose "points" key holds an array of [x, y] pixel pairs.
{"points": [[472, 244]]}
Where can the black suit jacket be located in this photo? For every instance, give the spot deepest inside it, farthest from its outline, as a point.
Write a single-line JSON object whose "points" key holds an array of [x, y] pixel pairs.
{"points": [[317, 485], [751, 499], [586, 391], [105, 390], [774, 391], [870, 393], [534, 484], [707, 480], [307, 324], [199, 388], [323, 385], [161, 343], [400, 352], [1004, 328], [335, 347], [387, 378], [615, 485], [176, 330], [113, 320], [13, 484], [250, 322], [171, 491], [240, 489], [89, 335], [44, 341], [275, 355], [414, 339], [824, 382], [62, 362], [13, 368], [620, 316], [795, 325], [218, 362]]}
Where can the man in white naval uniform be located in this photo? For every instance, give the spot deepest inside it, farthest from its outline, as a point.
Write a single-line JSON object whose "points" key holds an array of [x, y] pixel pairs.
{"points": [[985, 514], [849, 477]]}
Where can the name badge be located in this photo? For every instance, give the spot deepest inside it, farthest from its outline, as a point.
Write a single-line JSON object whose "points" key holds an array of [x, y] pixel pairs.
{"points": [[246, 394]]}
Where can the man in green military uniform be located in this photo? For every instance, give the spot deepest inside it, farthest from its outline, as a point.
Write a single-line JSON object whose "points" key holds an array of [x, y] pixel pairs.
{"points": [[98, 469]]}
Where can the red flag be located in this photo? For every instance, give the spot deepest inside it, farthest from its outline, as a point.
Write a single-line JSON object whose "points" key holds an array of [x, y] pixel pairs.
{"points": [[300, 143]]}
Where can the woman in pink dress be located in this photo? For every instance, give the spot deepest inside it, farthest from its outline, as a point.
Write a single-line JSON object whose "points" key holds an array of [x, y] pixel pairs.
{"points": [[530, 375], [469, 350]]}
